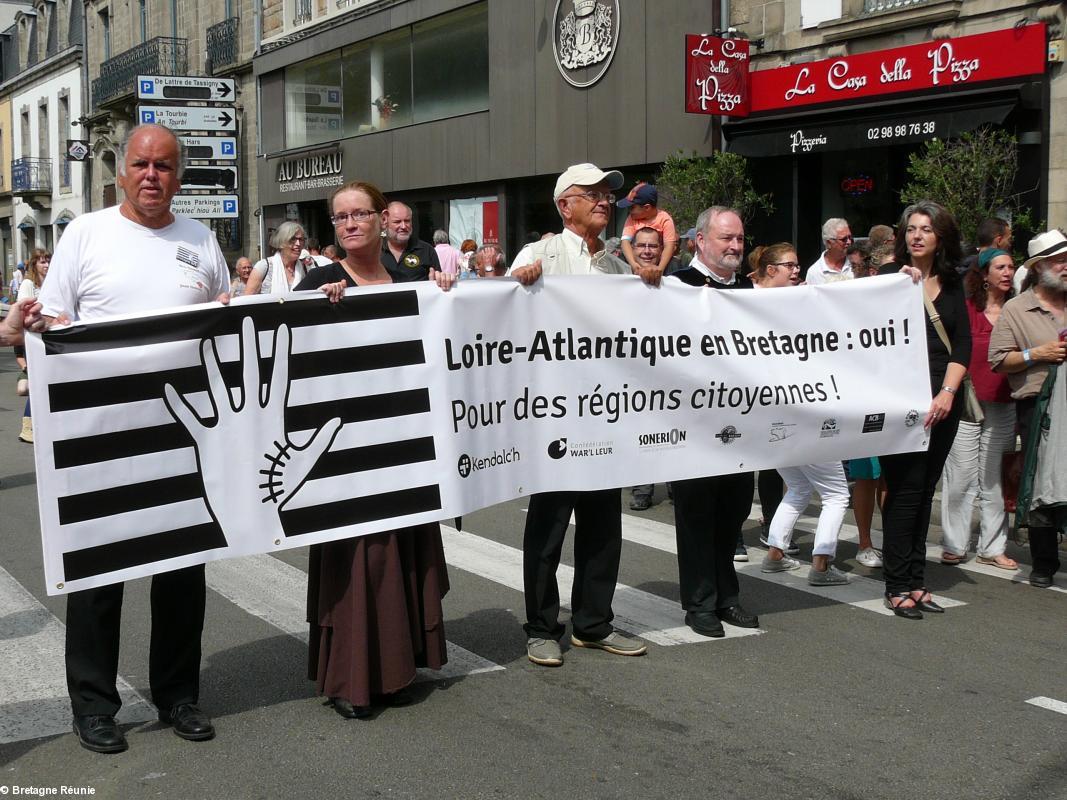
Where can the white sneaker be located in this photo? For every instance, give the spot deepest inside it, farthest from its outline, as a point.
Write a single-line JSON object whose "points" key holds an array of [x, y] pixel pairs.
{"points": [[869, 557]]}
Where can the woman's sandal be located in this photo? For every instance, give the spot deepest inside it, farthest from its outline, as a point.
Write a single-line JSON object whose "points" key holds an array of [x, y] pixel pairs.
{"points": [[894, 601], [1009, 564], [951, 559], [925, 601]]}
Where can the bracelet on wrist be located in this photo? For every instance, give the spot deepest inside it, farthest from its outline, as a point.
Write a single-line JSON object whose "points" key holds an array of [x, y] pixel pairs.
{"points": [[948, 389]]}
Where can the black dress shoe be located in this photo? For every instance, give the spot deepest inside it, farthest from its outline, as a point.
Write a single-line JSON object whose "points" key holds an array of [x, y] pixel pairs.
{"points": [[189, 722], [736, 615], [705, 623], [100, 734], [1040, 581], [347, 710]]}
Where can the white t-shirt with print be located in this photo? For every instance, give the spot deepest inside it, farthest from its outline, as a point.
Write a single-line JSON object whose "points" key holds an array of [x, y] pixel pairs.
{"points": [[106, 264]]}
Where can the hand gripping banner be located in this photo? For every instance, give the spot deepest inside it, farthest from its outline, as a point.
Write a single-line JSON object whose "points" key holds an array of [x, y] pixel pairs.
{"points": [[205, 432]]}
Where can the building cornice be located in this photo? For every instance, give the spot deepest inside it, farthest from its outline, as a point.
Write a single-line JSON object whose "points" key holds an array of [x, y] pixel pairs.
{"points": [[44, 69]]}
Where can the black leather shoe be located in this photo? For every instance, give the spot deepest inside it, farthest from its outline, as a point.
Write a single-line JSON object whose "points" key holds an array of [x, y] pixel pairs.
{"points": [[736, 615], [925, 602], [100, 734], [705, 623], [347, 710], [189, 722], [640, 504], [1040, 581]]}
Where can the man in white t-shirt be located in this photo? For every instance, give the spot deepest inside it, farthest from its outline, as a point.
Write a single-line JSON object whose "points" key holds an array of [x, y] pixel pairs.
{"points": [[833, 264], [135, 257]]}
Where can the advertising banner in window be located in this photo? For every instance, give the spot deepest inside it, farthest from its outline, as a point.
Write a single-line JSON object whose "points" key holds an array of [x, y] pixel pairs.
{"points": [[968, 60], [716, 76]]}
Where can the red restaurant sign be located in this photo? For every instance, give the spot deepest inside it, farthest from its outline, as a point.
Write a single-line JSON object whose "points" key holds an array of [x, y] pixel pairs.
{"points": [[716, 76], [1011, 53]]}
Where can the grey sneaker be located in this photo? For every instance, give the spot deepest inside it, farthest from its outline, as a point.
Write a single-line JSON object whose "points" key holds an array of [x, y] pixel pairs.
{"points": [[615, 643], [784, 564], [544, 652], [832, 577]]}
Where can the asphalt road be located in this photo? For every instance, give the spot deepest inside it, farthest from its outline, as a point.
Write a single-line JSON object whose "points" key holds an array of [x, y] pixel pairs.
{"points": [[834, 698]]}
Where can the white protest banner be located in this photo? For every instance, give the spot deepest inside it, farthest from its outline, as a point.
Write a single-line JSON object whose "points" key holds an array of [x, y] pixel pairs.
{"points": [[207, 432]]}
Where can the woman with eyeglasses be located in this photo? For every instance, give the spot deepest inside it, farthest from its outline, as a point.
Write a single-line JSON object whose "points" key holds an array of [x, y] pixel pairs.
{"points": [[279, 274], [928, 240], [374, 602], [776, 267]]}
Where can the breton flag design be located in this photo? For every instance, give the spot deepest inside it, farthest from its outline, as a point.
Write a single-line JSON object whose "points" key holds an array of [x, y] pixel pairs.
{"points": [[129, 484]]}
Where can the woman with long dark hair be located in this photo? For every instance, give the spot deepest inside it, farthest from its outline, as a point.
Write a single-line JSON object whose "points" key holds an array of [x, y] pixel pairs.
{"points": [[928, 240], [974, 463]]}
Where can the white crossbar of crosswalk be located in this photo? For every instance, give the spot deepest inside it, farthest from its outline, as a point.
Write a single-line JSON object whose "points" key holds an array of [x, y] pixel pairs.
{"points": [[653, 618], [33, 693], [277, 592]]}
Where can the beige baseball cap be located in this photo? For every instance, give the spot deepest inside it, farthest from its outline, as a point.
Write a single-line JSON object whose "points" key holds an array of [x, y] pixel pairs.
{"points": [[586, 175]]}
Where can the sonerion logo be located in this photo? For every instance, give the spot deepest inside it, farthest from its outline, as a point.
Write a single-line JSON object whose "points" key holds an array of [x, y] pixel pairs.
{"points": [[562, 447], [672, 438], [467, 465]]}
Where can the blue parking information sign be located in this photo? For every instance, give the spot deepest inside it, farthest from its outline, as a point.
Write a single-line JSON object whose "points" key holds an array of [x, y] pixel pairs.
{"points": [[147, 116]]}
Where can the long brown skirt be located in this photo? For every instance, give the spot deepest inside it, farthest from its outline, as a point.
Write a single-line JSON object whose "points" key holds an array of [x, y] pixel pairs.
{"points": [[374, 607]]}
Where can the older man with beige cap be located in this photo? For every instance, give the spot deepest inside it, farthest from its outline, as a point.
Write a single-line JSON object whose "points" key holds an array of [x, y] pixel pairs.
{"points": [[583, 198]]}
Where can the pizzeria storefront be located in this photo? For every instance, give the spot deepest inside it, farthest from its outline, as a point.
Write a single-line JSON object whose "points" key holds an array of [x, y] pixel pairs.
{"points": [[832, 138]]}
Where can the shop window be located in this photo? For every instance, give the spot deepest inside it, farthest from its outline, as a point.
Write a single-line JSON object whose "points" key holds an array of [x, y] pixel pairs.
{"points": [[450, 54], [313, 110], [377, 83]]}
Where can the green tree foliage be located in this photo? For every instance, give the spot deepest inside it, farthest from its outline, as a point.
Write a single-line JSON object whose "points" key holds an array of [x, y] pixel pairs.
{"points": [[689, 184], [972, 176]]}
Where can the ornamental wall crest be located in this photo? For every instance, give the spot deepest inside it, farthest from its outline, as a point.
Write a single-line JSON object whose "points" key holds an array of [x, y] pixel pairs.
{"points": [[584, 38]]}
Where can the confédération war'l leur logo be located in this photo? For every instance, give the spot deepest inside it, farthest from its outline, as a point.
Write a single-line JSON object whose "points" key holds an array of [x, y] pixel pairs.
{"points": [[584, 38]]}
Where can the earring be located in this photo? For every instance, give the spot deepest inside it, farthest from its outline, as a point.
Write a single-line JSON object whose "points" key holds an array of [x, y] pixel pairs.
{"points": [[985, 285]]}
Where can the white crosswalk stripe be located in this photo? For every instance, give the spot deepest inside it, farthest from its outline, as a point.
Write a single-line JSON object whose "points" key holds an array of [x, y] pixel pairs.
{"points": [[277, 592], [862, 593], [653, 618], [33, 692]]}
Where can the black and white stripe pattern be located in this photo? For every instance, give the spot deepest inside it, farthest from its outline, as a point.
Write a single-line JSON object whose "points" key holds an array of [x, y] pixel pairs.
{"points": [[127, 487]]}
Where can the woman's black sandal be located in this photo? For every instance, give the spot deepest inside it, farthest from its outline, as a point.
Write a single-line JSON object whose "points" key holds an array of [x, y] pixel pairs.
{"points": [[908, 612], [925, 602]]}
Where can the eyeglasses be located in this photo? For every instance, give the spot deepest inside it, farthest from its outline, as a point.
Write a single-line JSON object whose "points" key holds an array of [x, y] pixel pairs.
{"points": [[786, 264], [594, 197], [360, 215], [844, 239], [647, 246], [298, 240]]}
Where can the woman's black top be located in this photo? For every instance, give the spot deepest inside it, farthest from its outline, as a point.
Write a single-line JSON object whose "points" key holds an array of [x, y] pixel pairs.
{"points": [[320, 276], [950, 304]]}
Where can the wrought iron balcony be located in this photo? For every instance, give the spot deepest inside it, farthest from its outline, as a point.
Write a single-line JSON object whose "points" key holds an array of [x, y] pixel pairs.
{"points": [[877, 6], [31, 176], [303, 12], [223, 45], [118, 76]]}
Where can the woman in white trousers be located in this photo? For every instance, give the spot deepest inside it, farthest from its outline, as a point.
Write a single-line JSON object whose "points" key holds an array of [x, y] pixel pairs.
{"points": [[974, 463]]}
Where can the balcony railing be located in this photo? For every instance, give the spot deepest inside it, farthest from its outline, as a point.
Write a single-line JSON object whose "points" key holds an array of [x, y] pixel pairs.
{"points": [[118, 76], [31, 175], [303, 12], [877, 6], [222, 44]]}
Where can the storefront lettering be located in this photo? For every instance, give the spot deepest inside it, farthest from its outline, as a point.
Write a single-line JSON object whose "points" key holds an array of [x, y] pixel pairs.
{"points": [[798, 140], [711, 93], [729, 49], [838, 72], [943, 60], [900, 72], [699, 49], [295, 169], [796, 90]]}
